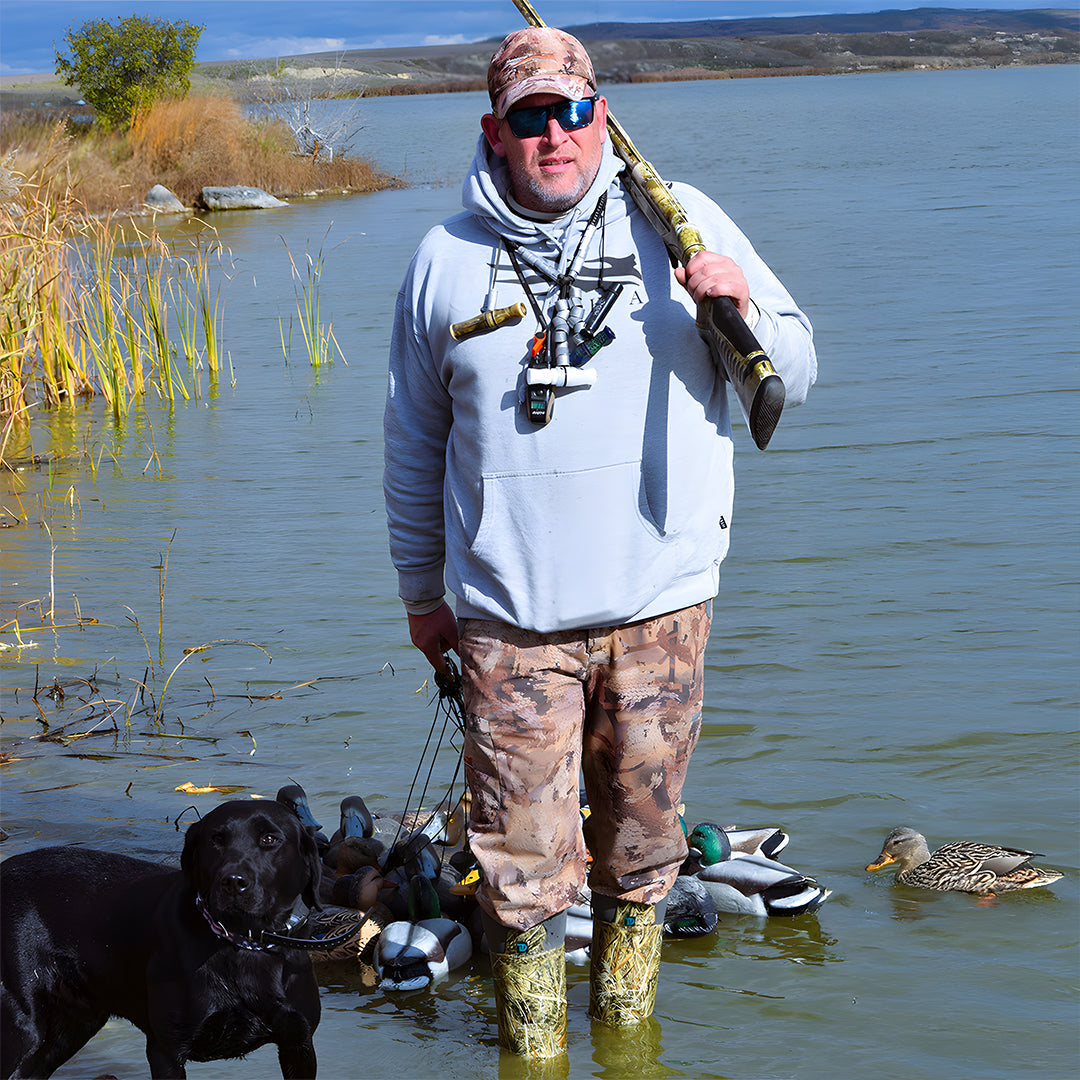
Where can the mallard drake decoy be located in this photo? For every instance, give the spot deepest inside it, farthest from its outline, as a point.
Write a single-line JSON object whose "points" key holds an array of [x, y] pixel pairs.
{"points": [[963, 866], [691, 910], [748, 884], [762, 840], [413, 953]]}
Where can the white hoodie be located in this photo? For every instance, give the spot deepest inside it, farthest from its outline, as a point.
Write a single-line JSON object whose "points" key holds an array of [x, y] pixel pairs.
{"points": [[620, 508]]}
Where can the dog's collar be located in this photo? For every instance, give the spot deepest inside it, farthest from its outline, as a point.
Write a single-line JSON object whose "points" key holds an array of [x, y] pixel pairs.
{"points": [[267, 939], [254, 940]]}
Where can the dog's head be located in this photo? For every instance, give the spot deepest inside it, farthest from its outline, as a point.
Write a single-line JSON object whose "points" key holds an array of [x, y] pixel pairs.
{"points": [[249, 861]]}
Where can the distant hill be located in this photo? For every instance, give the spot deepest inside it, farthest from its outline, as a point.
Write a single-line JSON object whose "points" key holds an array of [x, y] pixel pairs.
{"points": [[919, 38], [956, 20], [893, 40]]}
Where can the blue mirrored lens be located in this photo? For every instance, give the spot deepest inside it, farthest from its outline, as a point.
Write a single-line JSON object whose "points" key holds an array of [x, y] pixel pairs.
{"points": [[529, 122]]}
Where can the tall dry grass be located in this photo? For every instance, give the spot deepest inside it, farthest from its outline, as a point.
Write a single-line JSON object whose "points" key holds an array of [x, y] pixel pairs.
{"points": [[185, 145], [93, 310], [86, 312]]}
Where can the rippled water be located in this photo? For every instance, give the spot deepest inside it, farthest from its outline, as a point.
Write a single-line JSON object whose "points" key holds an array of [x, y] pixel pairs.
{"points": [[895, 640]]}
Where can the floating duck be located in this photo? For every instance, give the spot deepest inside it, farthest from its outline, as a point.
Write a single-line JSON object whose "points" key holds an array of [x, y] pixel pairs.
{"points": [[964, 866], [413, 953], [748, 884]]}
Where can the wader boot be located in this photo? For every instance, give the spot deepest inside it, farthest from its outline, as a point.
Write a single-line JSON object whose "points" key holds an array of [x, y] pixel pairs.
{"points": [[528, 968], [624, 960]]}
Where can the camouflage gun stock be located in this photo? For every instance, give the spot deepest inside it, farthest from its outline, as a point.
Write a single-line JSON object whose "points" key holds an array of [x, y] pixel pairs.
{"points": [[742, 360]]}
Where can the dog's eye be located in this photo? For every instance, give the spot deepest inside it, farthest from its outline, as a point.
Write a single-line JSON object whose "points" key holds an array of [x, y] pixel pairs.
{"points": [[269, 840]]}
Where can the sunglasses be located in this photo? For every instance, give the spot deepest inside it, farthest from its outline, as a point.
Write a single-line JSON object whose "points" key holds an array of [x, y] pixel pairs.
{"points": [[533, 120]]}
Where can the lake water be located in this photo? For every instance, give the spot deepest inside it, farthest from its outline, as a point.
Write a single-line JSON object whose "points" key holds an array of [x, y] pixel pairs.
{"points": [[895, 639]]}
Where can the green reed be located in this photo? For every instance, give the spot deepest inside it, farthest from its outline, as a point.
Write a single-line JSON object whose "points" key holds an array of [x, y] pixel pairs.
{"points": [[319, 341], [88, 312]]}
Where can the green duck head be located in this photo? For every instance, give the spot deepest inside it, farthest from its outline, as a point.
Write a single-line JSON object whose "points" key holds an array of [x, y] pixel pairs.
{"points": [[423, 902], [710, 842]]}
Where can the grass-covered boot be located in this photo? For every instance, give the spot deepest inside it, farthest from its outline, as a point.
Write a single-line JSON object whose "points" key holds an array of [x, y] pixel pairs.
{"points": [[624, 961], [528, 968]]}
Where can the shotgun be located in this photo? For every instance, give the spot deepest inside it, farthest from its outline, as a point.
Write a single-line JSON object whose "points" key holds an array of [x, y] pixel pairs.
{"points": [[742, 360]]}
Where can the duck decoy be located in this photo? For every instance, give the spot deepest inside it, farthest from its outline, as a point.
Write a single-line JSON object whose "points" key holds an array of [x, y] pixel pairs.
{"points": [[413, 953], [362, 928], [360, 889], [762, 840], [691, 911], [355, 823], [579, 927], [748, 884], [294, 798], [355, 852], [454, 836], [963, 866]]}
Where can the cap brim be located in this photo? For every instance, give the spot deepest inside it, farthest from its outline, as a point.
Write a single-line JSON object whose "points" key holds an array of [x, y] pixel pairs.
{"points": [[568, 86]]}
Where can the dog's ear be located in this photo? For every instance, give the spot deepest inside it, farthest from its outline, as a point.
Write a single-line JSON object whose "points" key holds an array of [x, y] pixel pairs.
{"points": [[189, 857], [310, 851]]}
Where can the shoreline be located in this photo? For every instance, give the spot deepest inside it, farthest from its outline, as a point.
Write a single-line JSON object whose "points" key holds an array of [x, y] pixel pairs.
{"points": [[45, 91]]}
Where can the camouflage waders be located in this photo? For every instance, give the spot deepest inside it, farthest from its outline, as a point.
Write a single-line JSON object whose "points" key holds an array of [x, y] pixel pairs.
{"points": [[620, 704]]}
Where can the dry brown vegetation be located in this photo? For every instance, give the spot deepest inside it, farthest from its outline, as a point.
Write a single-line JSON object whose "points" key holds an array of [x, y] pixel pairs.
{"points": [[184, 145]]}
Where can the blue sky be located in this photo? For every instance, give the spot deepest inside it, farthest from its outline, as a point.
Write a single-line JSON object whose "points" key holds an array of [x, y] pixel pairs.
{"points": [[31, 30]]}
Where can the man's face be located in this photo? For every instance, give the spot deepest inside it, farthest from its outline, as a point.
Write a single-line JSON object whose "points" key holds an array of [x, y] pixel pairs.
{"points": [[552, 171]]}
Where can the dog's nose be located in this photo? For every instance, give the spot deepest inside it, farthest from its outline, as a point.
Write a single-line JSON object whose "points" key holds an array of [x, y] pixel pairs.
{"points": [[235, 883]]}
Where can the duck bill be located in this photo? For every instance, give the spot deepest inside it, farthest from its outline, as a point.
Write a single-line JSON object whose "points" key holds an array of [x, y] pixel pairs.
{"points": [[882, 860]]}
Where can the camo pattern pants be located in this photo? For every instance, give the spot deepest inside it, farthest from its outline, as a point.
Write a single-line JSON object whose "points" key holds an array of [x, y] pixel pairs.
{"points": [[623, 705]]}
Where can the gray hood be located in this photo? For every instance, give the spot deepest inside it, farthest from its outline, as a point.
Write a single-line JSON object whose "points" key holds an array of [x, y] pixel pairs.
{"points": [[484, 194]]}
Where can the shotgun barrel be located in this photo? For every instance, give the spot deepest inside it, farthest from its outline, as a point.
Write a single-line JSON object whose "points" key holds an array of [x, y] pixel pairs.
{"points": [[731, 342]]}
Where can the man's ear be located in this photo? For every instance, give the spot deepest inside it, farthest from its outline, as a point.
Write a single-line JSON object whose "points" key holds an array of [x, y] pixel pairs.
{"points": [[491, 124], [601, 116]]}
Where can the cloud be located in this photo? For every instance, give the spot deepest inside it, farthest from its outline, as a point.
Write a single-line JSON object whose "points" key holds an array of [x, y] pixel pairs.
{"points": [[281, 46], [445, 39]]}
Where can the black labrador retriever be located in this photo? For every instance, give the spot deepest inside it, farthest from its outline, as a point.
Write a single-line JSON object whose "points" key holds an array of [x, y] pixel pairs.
{"points": [[181, 954]]}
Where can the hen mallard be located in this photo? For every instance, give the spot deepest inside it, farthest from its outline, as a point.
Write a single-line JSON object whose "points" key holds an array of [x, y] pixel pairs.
{"points": [[748, 884], [964, 866]]}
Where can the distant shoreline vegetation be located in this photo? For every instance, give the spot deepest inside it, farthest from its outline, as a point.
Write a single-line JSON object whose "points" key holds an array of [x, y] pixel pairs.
{"points": [[47, 131]]}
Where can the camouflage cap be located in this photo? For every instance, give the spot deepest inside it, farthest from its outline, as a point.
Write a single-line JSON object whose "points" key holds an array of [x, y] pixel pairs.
{"points": [[539, 60]]}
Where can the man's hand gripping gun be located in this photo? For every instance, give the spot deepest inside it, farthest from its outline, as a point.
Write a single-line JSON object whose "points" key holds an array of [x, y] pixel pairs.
{"points": [[742, 360]]}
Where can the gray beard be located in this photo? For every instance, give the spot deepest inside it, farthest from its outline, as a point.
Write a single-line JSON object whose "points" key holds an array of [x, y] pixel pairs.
{"points": [[540, 199]]}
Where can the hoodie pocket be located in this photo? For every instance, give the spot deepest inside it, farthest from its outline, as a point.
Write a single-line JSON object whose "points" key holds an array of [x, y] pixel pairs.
{"points": [[572, 548]]}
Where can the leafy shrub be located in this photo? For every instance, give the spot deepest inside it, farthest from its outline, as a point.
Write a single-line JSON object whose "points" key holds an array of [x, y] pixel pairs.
{"points": [[123, 68]]}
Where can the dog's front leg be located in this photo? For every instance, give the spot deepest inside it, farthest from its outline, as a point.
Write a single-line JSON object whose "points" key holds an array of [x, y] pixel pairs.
{"points": [[296, 1052], [164, 1064]]}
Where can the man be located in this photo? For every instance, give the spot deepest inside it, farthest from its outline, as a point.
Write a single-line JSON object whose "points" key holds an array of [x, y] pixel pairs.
{"points": [[569, 476]]}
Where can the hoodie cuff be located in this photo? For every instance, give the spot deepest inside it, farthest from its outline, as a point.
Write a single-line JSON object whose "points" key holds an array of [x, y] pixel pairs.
{"points": [[423, 607]]}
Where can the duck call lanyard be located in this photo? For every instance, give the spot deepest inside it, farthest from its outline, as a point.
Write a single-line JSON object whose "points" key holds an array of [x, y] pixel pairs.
{"points": [[563, 344]]}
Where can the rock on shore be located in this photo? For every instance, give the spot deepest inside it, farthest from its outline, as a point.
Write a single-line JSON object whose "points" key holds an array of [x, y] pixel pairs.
{"points": [[236, 198]]}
